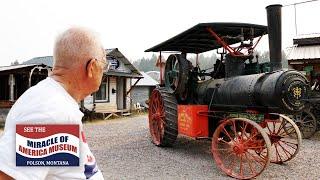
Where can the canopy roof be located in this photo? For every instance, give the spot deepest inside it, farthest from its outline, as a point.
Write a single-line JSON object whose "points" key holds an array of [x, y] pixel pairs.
{"points": [[198, 39]]}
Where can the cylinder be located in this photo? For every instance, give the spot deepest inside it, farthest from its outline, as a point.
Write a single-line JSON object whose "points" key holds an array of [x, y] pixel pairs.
{"points": [[279, 92], [274, 31], [234, 66]]}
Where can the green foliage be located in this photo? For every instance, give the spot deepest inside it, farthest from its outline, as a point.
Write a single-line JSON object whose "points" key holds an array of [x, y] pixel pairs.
{"points": [[205, 62], [16, 62], [146, 64], [149, 64], [265, 57]]}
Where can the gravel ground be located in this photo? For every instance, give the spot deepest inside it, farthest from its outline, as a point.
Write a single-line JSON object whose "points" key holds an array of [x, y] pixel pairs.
{"points": [[124, 150]]}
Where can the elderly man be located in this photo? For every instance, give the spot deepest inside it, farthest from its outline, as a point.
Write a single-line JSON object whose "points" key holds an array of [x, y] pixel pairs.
{"points": [[79, 63]]}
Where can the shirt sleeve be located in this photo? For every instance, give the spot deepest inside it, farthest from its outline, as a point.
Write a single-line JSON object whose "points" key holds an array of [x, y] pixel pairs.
{"points": [[8, 148]]}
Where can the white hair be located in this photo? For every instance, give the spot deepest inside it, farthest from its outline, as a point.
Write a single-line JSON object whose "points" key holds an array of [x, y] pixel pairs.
{"points": [[76, 45]]}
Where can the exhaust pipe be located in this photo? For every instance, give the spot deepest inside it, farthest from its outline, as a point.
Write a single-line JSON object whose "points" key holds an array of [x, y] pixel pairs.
{"points": [[274, 31]]}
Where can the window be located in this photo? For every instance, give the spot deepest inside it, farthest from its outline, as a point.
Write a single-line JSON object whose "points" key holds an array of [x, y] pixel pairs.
{"points": [[102, 95]]}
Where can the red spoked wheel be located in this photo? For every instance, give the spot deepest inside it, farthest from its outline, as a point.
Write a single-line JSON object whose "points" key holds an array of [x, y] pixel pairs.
{"points": [[241, 148], [285, 138], [163, 117]]}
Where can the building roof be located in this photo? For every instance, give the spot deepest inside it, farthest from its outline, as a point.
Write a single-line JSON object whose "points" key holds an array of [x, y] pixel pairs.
{"points": [[47, 60], [154, 75], [304, 52], [302, 36], [307, 39], [20, 66], [146, 81], [114, 53]]}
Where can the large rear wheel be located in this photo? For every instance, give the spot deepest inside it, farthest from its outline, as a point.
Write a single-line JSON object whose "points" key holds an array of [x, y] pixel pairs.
{"points": [[241, 148], [163, 118]]}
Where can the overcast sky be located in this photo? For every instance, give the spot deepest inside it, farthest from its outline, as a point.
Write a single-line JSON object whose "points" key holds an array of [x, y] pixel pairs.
{"points": [[29, 27]]}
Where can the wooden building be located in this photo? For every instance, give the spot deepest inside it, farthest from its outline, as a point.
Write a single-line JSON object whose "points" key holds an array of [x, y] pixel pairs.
{"points": [[112, 98], [113, 95], [305, 55], [15, 80]]}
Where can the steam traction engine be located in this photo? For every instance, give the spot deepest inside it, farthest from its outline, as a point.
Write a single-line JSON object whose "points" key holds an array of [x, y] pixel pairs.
{"points": [[235, 104]]}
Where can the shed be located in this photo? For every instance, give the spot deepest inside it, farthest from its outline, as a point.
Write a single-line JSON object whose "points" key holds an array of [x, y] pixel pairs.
{"points": [[154, 74], [15, 80], [142, 91]]}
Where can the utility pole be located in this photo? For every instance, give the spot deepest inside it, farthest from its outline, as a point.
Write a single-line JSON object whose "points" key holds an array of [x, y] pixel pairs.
{"points": [[295, 11]]}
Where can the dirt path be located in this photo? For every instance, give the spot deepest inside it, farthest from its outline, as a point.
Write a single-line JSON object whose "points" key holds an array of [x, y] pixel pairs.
{"points": [[124, 151]]}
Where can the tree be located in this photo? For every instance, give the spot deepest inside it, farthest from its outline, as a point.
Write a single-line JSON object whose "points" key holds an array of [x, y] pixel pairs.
{"points": [[146, 64], [205, 62], [149, 64], [16, 62], [265, 57]]}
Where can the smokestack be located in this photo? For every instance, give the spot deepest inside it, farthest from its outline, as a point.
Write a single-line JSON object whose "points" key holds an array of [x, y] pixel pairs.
{"points": [[274, 31]]}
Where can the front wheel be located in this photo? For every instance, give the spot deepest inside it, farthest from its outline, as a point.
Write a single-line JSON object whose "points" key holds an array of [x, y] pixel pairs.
{"points": [[241, 148], [285, 138]]}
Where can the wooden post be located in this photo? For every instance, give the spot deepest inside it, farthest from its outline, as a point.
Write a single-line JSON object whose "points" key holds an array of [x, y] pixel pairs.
{"points": [[184, 55], [82, 104], [94, 101], [197, 60], [11, 86], [30, 75], [161, 79]]}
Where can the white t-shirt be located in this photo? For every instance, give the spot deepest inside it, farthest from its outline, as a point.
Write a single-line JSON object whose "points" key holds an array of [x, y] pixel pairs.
{"points": [[45, 103]]}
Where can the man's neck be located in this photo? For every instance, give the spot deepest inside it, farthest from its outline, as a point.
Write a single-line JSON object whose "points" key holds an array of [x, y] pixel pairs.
{"points": [[71, 87]]}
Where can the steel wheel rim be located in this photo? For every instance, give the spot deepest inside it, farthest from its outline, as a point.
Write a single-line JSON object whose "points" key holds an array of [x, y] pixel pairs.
{"points": [[156, 117], [173, 73], [239, 148], [285, 139], [306, 122]]}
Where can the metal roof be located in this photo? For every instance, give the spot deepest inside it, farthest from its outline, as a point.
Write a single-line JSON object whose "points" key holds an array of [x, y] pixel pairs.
{"points": [[7, 68], [123, 74], [302, 36], [304, 52], [47, 60], [154, 75], [146, 81], [197, 39]]}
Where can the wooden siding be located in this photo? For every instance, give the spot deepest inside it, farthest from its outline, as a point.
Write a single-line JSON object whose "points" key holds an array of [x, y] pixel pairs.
{"points": [[110, 106]]}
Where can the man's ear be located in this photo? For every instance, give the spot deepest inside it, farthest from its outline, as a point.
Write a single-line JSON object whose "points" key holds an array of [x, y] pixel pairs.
{"points": [[91, 68]]}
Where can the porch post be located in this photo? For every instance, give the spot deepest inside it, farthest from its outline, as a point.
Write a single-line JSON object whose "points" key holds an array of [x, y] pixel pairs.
{"points": [[30, 76], [11, 87], [94, 101]]}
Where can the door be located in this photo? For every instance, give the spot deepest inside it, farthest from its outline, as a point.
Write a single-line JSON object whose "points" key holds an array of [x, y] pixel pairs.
{"points": [[121, 93]]}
